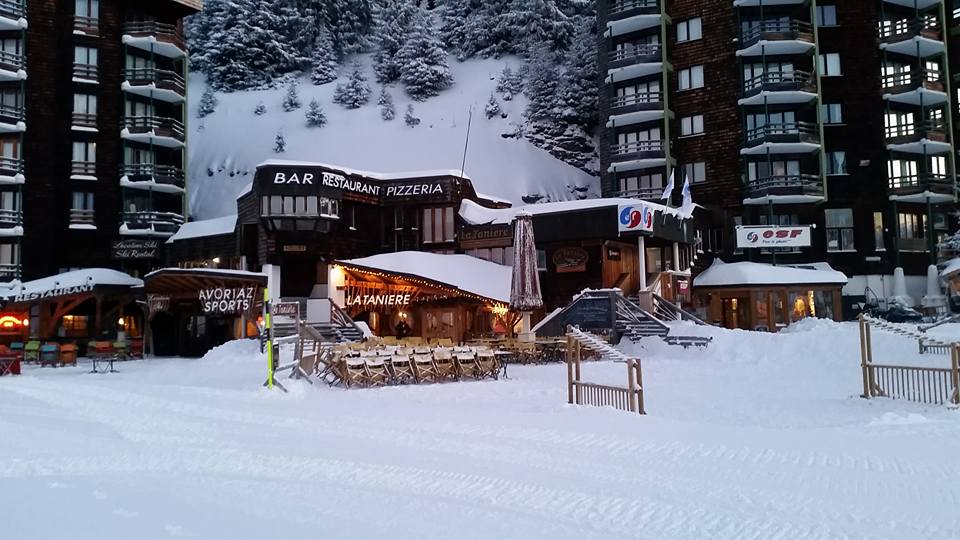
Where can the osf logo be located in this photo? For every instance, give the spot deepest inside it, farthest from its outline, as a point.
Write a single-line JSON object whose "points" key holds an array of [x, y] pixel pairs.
{"points": [[636, 218], [781, 234], [752, 237]]}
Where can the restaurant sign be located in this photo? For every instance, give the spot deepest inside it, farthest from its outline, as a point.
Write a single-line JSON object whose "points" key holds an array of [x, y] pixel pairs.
{"points": [[226, 300], [53, 293], [135, 249], [486, 236], [398, 299], [773, 236], [570, 259], [309, 180], [286, 309]]}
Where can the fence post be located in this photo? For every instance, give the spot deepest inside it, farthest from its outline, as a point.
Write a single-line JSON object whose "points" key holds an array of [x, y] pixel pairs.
{"points": [[863, 358], [576, 372], [955, 373], [871, 387], [631, 385], [569, 355], [639, 379]]}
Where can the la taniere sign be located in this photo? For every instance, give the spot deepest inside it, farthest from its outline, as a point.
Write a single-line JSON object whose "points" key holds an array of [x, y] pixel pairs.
{"points": [[399, 299]]}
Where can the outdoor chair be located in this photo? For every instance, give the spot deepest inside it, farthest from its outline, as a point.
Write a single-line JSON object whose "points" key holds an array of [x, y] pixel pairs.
{"points": [[50, 354], [445, 342], [389, 340], [355, 372], [487, 364], [68, 354], [136, 348], [403, 370], [467, 365], [421, 350], [446, 365], [119, 350], [9, 361], [425, 368], [31, 351], [99, 349], [17, 348], [377, 373]]}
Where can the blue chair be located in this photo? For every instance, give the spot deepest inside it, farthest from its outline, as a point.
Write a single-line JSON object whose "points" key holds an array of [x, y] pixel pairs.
{"points": [[50, 354]]}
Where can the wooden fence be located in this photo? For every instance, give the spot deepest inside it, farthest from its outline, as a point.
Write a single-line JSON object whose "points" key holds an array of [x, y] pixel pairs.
{"points": [[580, 392], [937, 385]]}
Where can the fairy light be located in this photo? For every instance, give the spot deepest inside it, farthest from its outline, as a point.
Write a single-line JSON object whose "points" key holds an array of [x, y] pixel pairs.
{"points": [[450, 291]]}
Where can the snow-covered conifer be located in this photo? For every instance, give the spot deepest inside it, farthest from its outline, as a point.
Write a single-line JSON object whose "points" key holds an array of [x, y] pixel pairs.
{"points": [[324, 61], [387, 111], [315, 116], [260, 109], [409, 118], [291, 101], [279, 143], [424, 71], [493, 107], [392, 22], [208, 103], [353, 93]]}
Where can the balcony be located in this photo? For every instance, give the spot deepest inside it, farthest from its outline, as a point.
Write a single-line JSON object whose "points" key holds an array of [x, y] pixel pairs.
{"points": [[782, 138], [11, 170], [150, 223], [924, 137], [637, 54], [163, 178], [927, 27], [777, 88], [89, 26], [83, 170], [776, 37], [647, 193], [786, 188], [635, 108], [9, 272], [11, 222], [920, 87], [82, 218], [623, 9], [157, 130], [637, 155], [160, 84], [12, 15], [85, 73], [12, 119], [156, 37], [12, 67], [920, 187], [84, 121]]}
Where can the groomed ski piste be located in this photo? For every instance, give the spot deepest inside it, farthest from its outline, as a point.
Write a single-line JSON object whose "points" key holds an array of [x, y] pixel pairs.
{"points": [[759, 436]]}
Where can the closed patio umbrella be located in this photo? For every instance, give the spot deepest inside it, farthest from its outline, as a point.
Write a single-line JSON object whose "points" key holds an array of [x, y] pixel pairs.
{"points": [[525, 284]]}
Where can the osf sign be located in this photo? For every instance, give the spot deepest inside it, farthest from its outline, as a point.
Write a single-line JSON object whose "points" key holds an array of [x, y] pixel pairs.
{"points": [[635, 218], [767, 237]]}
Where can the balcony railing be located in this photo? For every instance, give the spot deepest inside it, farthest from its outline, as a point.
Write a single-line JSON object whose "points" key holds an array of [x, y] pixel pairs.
{"points": [[145, 172], [160, 126], [791, 132], [86, 25], [776, 30], [11, 9], [9, 272], [621, 9], [785, 184], [87, 72], [637, 150], [934, 130], [919, 183], [88, 120], [10, 218], [10, 166], [647, 193], [635, 54], [903, 29], [152, 222], [84, 168], [168, 33], [82, 216], [11, 114], [776, 81], [642, 101], [11, 61], [906, 81], [163, 79]]}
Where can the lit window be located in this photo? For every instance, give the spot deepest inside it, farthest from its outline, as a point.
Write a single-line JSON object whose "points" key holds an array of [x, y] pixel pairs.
{"points": [[839, 225], [836, 163]]}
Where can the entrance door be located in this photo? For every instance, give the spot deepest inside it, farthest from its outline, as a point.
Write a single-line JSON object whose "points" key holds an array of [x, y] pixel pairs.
{"points": [[736, 313]]}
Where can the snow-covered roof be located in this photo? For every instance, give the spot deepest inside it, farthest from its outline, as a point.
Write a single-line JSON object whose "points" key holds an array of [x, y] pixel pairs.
{"points": [[206, 227], [952, 266], [494, 198], [721, 274], [211, 271], [474, 214], [70, 282], [368, 174], [469, 274]]}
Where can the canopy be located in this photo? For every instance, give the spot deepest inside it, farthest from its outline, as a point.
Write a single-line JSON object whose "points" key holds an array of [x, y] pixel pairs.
{"points": [[67, 284], [721, 274]]}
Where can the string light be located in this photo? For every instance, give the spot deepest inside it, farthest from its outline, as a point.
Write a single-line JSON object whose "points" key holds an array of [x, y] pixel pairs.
{"points": [[450, 291]]}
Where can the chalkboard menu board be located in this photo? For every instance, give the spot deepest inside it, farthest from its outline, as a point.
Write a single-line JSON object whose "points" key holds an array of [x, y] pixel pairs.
{"points": [[591, 313]]}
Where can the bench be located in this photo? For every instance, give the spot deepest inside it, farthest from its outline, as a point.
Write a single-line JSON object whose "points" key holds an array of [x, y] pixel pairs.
{"points": [[687, 341]]}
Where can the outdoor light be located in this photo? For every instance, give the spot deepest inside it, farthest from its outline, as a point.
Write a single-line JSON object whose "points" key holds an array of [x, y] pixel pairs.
{"points": [[26, 322], [216, 260], [120, 321]]}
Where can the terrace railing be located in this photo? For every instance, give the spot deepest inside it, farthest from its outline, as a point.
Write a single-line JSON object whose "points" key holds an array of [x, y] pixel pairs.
{"points": [[579, 392]]}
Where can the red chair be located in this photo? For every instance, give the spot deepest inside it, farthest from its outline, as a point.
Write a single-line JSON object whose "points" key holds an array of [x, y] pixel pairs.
{"points": [[9, 361]]}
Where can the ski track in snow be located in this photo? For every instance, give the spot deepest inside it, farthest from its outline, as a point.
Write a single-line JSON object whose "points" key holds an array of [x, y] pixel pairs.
{"points": [[157, 457]]}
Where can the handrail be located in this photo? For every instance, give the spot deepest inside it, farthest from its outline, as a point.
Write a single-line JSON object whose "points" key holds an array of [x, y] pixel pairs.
{"points": [[922, 179], [13, 59], [152, 170], [82, 216], [11, 164], [911, 77], [801, 129], [900, 27], [783, 181], [155, 75], [85, 24], [153, 27], [155, 122], [16, 112], [11, 217], [637, 50], [637, 146], [86, 71], [639, 98], [661, 305], [922, 127], [755, 31], [14, 8], [766, 78], [626, 5]]}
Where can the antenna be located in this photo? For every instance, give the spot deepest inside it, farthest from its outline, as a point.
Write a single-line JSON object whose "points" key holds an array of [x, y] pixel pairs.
{"points": [[466, 142]]}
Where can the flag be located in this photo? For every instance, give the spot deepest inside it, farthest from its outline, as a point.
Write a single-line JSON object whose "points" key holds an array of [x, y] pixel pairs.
{"points": [[668, 191], [687, 205]]}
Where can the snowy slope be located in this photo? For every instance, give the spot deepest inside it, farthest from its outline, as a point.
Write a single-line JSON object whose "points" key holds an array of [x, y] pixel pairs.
{"points": [[760, 436], [226, 145]]}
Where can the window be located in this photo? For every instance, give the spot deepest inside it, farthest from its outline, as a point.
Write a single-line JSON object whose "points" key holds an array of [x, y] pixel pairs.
{"points": [[639, 141], [831, 113], [139, 62], [82, 201], [836, 163], [499, 255], [11, 47], [714, 240], [691, 125], [782, 220], [829, 65], [689, 30], [138, 108], [9, 254], [9, 150], [911, 232], [85, 56], [438, 225], [84, 159], [300, 206], [137, 156], [634, 93], [878, 244], [763, 170], [695, 172], [756, 74], [839, 224], [88, 8], [826, 15], [644, 185], [690, 78], [85, 104], [901, 172]]}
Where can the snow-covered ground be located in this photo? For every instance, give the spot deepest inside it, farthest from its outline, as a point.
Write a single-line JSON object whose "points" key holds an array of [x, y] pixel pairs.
{"points": [[226, 146], [759, 436]]}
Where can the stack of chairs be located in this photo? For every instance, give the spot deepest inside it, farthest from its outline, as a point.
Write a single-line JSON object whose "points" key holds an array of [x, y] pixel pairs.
{"points": [[50, 354], [68, 354], [392, 365]]}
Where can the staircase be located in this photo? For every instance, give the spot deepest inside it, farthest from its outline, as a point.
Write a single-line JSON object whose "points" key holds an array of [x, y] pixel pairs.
{"points": [[636, 323], [340, 329]]}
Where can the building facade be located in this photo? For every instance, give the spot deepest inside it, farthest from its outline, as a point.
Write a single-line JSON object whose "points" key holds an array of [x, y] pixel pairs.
{"points": [[92, 133], [834, 114]]}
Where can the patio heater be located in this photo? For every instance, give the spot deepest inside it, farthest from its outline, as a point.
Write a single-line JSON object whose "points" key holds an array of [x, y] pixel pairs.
{"points": [[525, 283]]}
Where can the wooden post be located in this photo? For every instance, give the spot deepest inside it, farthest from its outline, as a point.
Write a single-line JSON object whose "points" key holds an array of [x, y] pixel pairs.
{"points": [[98, 317], [576, 371], [871, 386], [863, 358], [631, 385], [639, 383], [955, 374], [570, 369]]}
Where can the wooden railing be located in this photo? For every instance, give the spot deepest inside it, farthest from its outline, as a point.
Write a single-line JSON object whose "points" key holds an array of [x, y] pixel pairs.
{"points": [[579, 392], [936, 385]]}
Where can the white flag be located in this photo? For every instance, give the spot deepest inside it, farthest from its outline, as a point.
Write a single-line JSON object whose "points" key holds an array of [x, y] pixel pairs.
{"points": [[687, 205], [668, 191]]}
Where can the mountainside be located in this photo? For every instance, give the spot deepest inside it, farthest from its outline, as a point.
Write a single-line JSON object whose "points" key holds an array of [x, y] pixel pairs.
{"points": [[525, 68]]}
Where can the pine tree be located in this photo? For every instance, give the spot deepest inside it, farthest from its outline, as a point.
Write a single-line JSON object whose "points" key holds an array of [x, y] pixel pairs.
{"points": [[260, 109], [409, 118], [393, 19], [493, 107], [279, 144], [510, 83], [324, 59], [541, 86], [291, 101], [578, 93], [353, 93], [208, 103], [424, 71], [387, 111], [314, 115], [350, 22]]}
